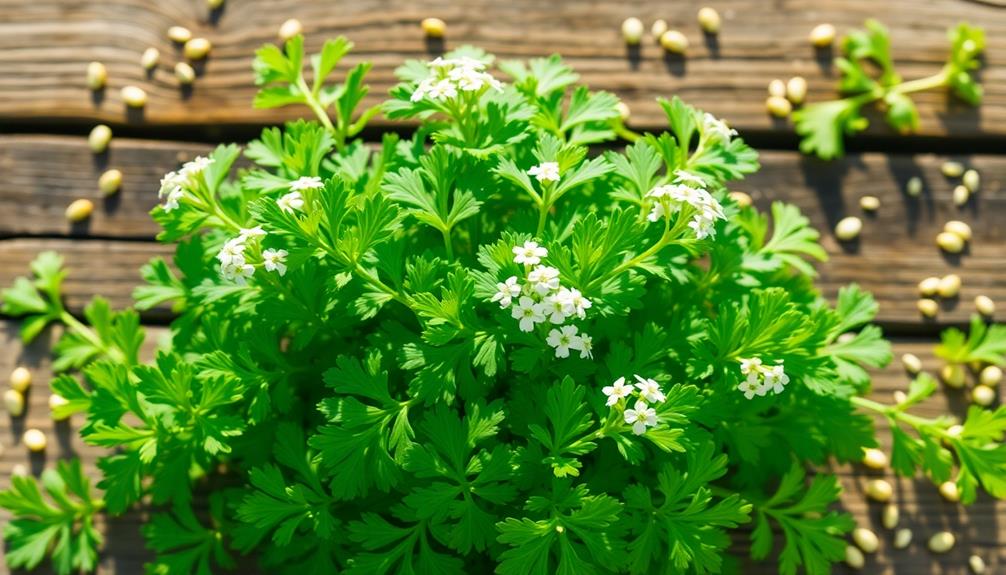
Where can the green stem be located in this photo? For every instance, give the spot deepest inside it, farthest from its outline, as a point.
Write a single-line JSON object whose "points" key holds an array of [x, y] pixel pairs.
{"points": [[542, 214], [376, 282], [626, 134], [313, 103], [892, 412], [87, 333], [447, 243]]}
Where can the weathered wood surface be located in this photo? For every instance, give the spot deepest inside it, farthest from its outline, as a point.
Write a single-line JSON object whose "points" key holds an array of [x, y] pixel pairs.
{"points": [[977, 527], [45, 46]]}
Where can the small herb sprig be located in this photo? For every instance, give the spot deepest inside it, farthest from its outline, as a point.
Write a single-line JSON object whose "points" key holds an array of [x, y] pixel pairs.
{"points": [[869, 76]]}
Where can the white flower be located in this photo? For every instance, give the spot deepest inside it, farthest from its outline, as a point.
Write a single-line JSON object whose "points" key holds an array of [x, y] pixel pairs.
{"points": [[544, 280], [545, 171], [171, 203], [306, 183], [170, 182], [448, 75], [442, 90], [641, 416], [703, 226], [237, 272], [529, 254], [290, 203], [649, 390], [574, 301], [506, 291], [232, 253], [775, 378], [586, 346], [196, 166], [657, 212], [274, 261], [256, 232], [750, 365], [753, 386], [717, 128], [563, 340], [529, 312], [556, 309], [689, 178], [616, 391]]}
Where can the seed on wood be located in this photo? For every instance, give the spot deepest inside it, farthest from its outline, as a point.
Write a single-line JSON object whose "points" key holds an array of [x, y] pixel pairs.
{"points": [[778, 106], [866, 540], [874, 458], [985, 305], [952, 169], [674, 42], [197, 48], [959, 228], [928, 307], [902, 538], [952, 374], [942, 542], [34, 439], [796, 90], [983, 395], [929, 286], [972, 180], [890, 516], [879, 490], [869, 203], [14, 402], [55, 402], [150, 58], [961, 195], [854, 557], [848, 229], [742, 198], [632, 31], [292, 27], [185, 73], [20, 379], [949, 491], [990, 376], [109, 182], [822, 35], [79, 210], [914, 186], [900, 397], [97, 75], [709, 20], [777, 88], [912, 363], [179, 34], [950, 242], [434, 27], [977, 565], [134, 96], [950, 286], [658, 29]]}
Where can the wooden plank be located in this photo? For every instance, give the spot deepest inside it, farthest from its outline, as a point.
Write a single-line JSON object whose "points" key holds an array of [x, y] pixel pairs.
{"points": [[45, 47], [922, 509]]}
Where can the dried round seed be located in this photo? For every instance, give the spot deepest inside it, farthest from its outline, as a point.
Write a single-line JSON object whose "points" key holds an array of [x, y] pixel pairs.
{"points": [[854, 557], [959, 228], [890, 516], [99, 138], [185, 73], [955, 430], [869, 203], [929, 286], [953, 375], [866, 540], [848, 229], [34, 439], [950, 242], [874, 458], [55, 402], [97, 75], [709, 20], [990, 376], [900, 397], [674, 42], [952, 169], [961, 195], [20, 379], [293, 27], [950, 286], [632, 31], [985, 305], [778, 106], [134, 96], [949, 491], [822, 35], [796, 90], [972, 180], [150, 58], [912, 363], [14, 402], [777, 88], [197, 48], [879, 490], [977, 565], [942, 542], [434, 27], [743, 199], [658, 29], [983, 395], [902, 538], [179, 34], [110, 182], [928, 307], [914, 186], [79, 210]]}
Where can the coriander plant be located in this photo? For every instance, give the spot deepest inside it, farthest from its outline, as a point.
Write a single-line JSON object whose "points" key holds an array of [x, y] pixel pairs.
{"points": [[485, 347]]}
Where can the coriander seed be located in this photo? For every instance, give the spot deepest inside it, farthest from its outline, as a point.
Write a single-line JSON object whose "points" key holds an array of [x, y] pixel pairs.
{"points": [[134, 96], [778, 106], [953, 375], [822, 35], [632, 31], [961, 195], [869, 203], [900, 397], [983, 395], [79, 210], [977, 565], [914, 187], [950, 242], [879, 490], [179, 34], [658, 29], [291, 28], [709, 20], [866, 540], [214, 4], [13, 400], [958, 228], [674, 42], [99, 138], [949, 491], [950, 286], [777, 88], [34, 440], [902, 538], [97, 75], [150, 58], [942, 542], [952, 169], [848, 229], [109, 182], [928, 307], [796, 90], [890, 516], [185, 73], [197, 48], [971, 180], [854, 557], [990, 376], [874, 458], [434, 27], [929, 286], [20, 379], [912, 363], [985, 305]]}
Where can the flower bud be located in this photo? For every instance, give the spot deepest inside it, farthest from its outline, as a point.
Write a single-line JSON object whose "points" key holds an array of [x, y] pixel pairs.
{"points": [[961, 195], [97, 75], [952, 169], [79, 210], [983, 395], [14, 402], [674, 42], [991, 376], [848, 229], [134, 96], [929, 286], [949, 491], [658, 29], [709, 20], [950, 242], [914, 187], [912, 363], [197, 48], [623, 111], [109, 182], [952, 374], [879, 490], [20, 379], [293, 27], [822, 35], [874, 458], [928, 307], [632, 31], [34, 440], [179, 34], [890, 516], [796, 90], [950, 286], [866, 540], [743, 199], [977, 565], [972, 180], [150, 58], [99, 138], [902, 538], [57, 401], [185, 73], [777, 88], [778, 106], [854, 557], [985, 305], [869, 203], [434, 27], [942, 542], [958, 228]]}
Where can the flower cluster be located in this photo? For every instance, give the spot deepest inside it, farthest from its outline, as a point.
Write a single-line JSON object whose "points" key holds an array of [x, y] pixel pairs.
{"points": [[234, 265], [453, 75], [545, 172], [716, 128], [687, 189], [541, 298], [641, 415], [760, 379], [294, 201], [175, 184]]}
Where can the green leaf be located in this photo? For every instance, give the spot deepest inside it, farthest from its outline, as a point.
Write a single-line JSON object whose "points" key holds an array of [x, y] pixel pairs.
{"points": [[184, 545], [984, 344], [822, 126], [793, 239], [568, 419]]}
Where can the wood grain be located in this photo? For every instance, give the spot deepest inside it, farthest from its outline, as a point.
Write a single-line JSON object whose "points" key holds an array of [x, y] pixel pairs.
{"points": [[45, 47], [978, 527]]}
